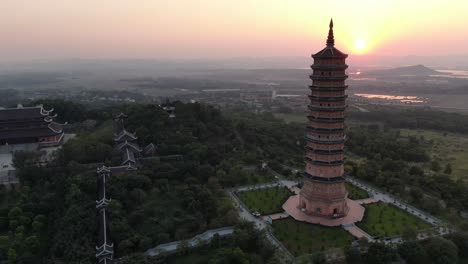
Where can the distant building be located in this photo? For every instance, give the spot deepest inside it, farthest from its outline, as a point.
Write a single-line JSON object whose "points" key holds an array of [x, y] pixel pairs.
{"points": [[169, 107], [324, 193], [29, 125]]}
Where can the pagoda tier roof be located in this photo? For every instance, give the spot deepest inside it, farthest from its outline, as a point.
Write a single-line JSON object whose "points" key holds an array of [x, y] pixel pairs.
{"points": [[330, 52], [325, 119], [328, 98], [329, 66], [149, 149], [125, 135], [323, 179], [326, 131], [128, 157], [325, 141], [327, 88], [129, 145], [324, 163], [323, 151], [24, 113], [327, 108], [101, 186], [123, 168], [326, 78]]}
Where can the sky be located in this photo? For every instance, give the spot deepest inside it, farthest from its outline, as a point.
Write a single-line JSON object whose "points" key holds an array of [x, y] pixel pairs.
{"points": [[151, 29]]}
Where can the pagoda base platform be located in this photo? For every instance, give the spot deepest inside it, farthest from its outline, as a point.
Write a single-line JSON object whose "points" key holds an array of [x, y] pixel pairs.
{"points": [[355, 213]]}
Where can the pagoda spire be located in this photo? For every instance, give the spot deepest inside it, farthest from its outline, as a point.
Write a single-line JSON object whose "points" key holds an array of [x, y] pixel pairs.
{"points": [[330, 39]]}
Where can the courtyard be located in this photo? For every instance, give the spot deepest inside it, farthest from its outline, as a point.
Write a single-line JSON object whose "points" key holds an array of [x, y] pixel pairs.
{"points": [[303, 238], [265, 201], [385, 220]]}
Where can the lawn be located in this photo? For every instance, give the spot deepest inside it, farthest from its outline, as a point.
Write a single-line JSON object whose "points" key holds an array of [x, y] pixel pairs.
{"points": [[266, 201], [446, 148], [303, 238], [356, 193], [387, 220]]}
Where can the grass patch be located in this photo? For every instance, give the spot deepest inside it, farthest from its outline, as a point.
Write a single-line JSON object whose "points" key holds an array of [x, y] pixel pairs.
{"points": [[266, 201], [356, 193], [387, 220], [303, 238], [446, 148]]}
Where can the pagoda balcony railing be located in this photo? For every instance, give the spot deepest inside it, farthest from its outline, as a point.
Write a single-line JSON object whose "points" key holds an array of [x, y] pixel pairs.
{"points": [[325, 119], [328, 77], [326, 140], [328, 98], [325, 163], [323, 151], [323, 179], [325, 130], [328, 88], [327, 108], [329, 66]]}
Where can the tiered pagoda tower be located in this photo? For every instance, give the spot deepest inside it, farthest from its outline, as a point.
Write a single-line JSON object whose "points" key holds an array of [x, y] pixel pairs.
{"points": [[324, 193]]}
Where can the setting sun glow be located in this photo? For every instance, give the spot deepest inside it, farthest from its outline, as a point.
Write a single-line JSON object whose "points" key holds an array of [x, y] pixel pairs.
{"points": [[360, 45]]}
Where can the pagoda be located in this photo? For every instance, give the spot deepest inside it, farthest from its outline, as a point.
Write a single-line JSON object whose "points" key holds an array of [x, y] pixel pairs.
{"points": [[323, 193]]}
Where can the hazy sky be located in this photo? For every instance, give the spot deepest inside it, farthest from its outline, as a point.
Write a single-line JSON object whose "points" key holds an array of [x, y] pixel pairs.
{"points": [[228, 28]]}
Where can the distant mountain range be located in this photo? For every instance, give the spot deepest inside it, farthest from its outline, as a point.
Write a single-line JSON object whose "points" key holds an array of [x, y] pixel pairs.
{"points": [[415, 70]]}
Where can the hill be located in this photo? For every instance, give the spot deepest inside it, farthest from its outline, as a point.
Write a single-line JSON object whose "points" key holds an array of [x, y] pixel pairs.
{"points": [[415, 70]]}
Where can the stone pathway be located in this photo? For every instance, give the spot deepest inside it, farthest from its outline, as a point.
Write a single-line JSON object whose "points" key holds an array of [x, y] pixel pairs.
{"points": [[357, 232], [277, 216], [366, 201]]}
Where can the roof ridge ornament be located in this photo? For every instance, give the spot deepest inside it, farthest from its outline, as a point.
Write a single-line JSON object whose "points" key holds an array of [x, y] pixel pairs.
{"points": [[330, 39]]}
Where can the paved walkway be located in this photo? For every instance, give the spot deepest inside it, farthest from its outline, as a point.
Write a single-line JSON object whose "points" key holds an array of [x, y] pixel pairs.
{"points": [[193, 242], [244, 212], [277, 216], [357, 232], [366, 201]]}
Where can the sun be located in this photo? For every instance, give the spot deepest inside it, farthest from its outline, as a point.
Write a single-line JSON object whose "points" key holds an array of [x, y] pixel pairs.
{"points": [[360, 45]]}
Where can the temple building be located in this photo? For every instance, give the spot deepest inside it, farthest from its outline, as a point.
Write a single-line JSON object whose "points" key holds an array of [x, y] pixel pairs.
{"points": [[323, 193], [22, 125]]}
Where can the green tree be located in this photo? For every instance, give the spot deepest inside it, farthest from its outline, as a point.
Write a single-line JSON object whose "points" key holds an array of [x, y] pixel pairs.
{"points": [[412, 252], [353, 256], [448, 168], [442, 251], [229, 256], [379, 253], [435, 166]]}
